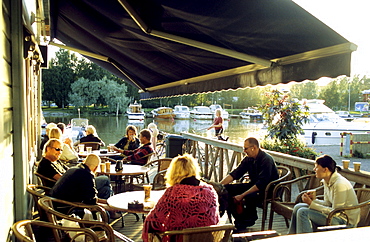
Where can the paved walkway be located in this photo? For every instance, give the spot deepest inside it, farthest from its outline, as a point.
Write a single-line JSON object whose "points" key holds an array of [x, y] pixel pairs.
{"points": [[334, 151]]}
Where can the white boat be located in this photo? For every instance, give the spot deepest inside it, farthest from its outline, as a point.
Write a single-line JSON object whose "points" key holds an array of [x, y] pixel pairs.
{"points": [[181, 112], [325, 126], [76, 128], [201, 112], [224, 113], [135, 113], [251, 114], [163, 112]]}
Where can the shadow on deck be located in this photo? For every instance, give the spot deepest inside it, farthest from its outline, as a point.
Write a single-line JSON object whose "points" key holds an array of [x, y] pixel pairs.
{"points": [[134, 228]]}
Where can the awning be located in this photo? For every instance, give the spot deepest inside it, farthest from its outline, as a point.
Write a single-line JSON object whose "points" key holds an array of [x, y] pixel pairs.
{"points": [[168, 48]]}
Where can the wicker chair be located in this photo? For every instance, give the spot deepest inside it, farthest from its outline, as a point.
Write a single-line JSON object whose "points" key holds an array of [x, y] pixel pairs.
{"points": [[363, 197], [213, 233], [45, 181], [93, 145], [158, 180], [37, 192], [284, 175], [282, 201], [104, 231], [23, 231]]}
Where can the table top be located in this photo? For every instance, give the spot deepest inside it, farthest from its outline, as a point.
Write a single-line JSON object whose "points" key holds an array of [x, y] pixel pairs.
{"points": [[120, 201], [127, 170], [97, 152]]}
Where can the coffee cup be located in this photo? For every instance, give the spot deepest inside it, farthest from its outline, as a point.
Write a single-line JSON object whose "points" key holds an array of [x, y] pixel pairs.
{"points": [[110, 147], [107, 166], [147, 189], [312, 194], [88, 150], [81, 148], [102, 167], [357, 166], [345, 164]]}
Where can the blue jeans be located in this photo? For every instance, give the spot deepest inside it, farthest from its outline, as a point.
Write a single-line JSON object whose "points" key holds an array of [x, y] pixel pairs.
{"points": [[304, 219], [103, 186]]}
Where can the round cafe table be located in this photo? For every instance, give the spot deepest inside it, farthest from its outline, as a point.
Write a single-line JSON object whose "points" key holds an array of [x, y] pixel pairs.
{"points": [[98, 153], [127, 171], [120, 201]]}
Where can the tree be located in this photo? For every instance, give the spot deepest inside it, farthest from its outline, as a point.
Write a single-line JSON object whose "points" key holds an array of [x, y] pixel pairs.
{"points": [[58, 78]]}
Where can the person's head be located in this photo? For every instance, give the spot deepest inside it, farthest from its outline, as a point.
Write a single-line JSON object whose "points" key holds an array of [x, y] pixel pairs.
{"points": [[90, 130], [49, 127], [92, 161], [55, 133], [251, 147], [131, 130], [61, 126], [145, 136], [325, 166], [152, 126], [52, 149], [181, 167], [218, 112]]}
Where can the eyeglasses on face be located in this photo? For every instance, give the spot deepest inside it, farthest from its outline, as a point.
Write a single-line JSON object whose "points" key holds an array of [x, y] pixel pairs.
{"points": [[246, 148], [57, 149]]}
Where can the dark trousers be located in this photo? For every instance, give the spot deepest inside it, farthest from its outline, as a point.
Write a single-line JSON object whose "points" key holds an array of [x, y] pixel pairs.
{"points": [[251, 201]]}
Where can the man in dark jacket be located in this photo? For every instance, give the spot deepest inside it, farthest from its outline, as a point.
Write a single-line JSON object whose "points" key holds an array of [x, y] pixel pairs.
{"points": [[261, 170]]}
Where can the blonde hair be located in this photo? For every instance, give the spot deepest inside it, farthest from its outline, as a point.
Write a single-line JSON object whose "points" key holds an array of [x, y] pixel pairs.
{"points": [[92, 161], [91, 130], [55, 133], [131, 127], [181, 167], [50, 143], [218, 111]]}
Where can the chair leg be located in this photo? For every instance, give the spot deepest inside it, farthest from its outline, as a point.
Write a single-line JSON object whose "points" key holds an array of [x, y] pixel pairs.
{"points": [[286, 222], [264, 215], [271, 217]]}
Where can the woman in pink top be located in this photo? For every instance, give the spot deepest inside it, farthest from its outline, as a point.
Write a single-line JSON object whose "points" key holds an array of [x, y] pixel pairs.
{"points": [[187, 202], [217, 124]]}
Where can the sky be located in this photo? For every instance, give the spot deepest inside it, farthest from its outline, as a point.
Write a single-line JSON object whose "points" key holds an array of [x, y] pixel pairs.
{"points": [[348, 18]]}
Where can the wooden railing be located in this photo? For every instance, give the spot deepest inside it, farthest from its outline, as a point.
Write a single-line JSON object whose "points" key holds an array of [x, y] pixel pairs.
{"points": [[217, 158]]}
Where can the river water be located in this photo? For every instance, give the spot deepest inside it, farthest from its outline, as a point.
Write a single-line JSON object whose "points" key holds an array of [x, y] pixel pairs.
{"points": [[111, 129]]}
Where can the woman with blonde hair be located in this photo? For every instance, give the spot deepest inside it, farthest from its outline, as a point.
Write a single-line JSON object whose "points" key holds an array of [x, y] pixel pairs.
{"points": [[68, 154], [187, 202]]}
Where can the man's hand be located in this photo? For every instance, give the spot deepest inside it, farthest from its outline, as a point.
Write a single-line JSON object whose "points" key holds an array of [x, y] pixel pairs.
{"points": [[239, 197]]}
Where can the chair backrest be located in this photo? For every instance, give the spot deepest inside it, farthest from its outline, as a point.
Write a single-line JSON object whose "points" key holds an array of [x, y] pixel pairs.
{"points": [[363, 196], [37, 192], [284, 175], [162, 165], [93, 145], [23, 231], [47, 204], [45, 181], [213, 233]]}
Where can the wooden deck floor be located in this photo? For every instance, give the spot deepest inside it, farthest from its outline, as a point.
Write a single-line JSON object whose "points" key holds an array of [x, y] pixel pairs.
{"points": [[134, 228]]}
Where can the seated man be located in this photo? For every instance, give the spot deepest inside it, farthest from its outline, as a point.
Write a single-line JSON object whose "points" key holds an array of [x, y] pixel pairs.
{"points": [[51, 167], [78, 184], [261, 169], [138, 156]]}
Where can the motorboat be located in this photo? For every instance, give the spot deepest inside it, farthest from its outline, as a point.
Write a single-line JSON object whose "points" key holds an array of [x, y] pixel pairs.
{"points": [[181, 112], [135, 113], [76, 128], [251, 114], [224, 113], [325, 126], [163, 112], [201, 112]]}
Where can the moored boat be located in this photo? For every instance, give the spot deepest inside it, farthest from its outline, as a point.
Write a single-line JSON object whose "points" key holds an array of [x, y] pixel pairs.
{"points": [[163, 112], [181, 112], [201, 112], [325, 126], [252, 114], [135, 113], [224, 113]]}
